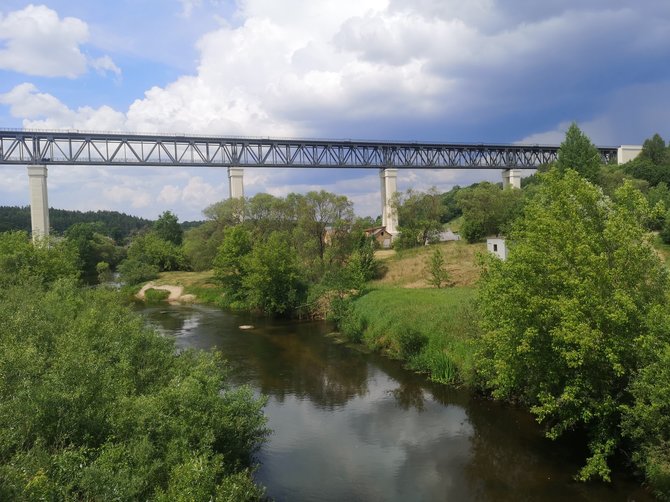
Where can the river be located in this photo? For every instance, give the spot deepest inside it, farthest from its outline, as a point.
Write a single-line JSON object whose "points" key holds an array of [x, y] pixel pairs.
{"points": [[353, 426]]}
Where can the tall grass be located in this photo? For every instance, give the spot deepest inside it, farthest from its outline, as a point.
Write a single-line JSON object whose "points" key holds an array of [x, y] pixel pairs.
{"points": [[432, 331]]}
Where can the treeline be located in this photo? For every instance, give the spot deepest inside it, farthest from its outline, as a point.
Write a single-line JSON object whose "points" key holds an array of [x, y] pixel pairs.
{"points": [[118, 226], [485, 209], [275, 255]]}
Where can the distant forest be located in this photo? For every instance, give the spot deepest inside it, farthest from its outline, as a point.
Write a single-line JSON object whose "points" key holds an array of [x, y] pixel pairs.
{"points": [[117, 225]]}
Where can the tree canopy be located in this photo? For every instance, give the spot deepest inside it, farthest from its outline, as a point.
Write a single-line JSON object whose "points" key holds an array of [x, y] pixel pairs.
{"points": [[578, 153], [565, 315], [487, 209]]}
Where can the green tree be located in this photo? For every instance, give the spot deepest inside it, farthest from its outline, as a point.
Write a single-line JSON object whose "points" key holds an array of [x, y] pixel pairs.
{"points": [[46, 262], [450, 203], [647, 420], [419, 216], [317, 213], [104, 272], [488, 209], [229, 263], [201, 244], [272, 281], [436, 270], [578, 153], [563, 315], [655, 151], [151, 249], [92, 247], [167, 228]]}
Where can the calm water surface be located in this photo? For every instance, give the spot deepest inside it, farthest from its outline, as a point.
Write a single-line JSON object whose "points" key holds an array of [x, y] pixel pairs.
{"points": [[351, 426]]}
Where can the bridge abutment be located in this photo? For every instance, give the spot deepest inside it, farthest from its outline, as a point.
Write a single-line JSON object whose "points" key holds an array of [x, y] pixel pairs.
{"points": [[389, 186], [511, 178], [236, 182], [39, 201]]}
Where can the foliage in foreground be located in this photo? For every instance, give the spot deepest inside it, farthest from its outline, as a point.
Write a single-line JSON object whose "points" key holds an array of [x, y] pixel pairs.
{"points": [[96, 406], [565, 318]]}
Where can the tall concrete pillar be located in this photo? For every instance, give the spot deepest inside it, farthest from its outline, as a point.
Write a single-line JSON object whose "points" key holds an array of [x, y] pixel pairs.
{"points": [[389, 186], [236, 182], [39, 202], [511, 178]]}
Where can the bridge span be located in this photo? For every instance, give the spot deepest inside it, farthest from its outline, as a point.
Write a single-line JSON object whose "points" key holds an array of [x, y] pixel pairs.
{"points": [[38, 149]]}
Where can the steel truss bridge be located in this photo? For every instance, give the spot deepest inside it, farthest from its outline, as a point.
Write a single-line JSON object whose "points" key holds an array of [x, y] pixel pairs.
{"points": [[30, 147]]}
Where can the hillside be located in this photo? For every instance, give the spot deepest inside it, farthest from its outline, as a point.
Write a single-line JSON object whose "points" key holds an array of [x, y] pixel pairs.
{"points": [[405, 269], [117, 225]]}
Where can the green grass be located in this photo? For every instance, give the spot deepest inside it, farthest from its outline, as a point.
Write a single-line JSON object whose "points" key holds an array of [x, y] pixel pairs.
{"points": [[156, 295], [431, 330]]}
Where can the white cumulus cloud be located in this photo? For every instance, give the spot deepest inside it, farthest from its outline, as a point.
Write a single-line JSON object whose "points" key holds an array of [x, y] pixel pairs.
{"points": [[36, 41]]}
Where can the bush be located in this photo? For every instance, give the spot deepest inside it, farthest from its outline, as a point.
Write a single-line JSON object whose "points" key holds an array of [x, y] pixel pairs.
{"points": [[94, 405], [152, 295], [134, 271]]}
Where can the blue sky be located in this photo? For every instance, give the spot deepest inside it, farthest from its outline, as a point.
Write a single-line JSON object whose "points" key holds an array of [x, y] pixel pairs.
{"points": [[439, 70]]}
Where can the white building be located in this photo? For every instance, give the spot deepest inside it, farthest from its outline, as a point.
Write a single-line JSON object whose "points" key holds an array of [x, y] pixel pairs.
{"points": [[497, 246]]}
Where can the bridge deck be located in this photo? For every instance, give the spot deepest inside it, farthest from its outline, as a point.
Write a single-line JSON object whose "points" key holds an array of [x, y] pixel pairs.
{"points": [[21, 147]]}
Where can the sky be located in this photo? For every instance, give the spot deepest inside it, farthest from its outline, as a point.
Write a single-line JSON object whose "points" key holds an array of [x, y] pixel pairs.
{"points": [[483, 71]]}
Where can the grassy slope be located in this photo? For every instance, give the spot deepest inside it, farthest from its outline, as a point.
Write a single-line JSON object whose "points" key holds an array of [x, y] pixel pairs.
{"points": [[405, 269], [441, 317]]}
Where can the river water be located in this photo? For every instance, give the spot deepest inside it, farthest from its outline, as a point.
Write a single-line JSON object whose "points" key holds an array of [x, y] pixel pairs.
{"points": [[352, 426]]}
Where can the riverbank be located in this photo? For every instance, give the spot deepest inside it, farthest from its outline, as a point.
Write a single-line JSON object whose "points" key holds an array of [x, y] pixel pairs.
{"points": [[431, 330]]}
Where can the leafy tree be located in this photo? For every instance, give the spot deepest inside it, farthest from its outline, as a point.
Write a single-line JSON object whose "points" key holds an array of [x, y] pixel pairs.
{"points": [[611, 178], [487, 209], [578, 153], [655, 151], [563, 316], [167, 228], [272, 281], [436, 269], [229, 263], [153, 250], [647, 420], [226, 213], [319, 211], [104, 272], [201, 244], [46, 262], [450, 203], [134, 271], [93, 247], [94, 405], [645, 169], [419, 215]]}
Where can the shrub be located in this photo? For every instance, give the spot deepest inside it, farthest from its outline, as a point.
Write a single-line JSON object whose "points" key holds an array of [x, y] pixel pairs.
{"points": [[94, 405], [134, 271], [152, 295]]}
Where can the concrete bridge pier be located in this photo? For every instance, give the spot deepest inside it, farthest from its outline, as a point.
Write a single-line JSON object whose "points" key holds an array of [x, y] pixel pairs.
{"points": [[236, 182], [39, 201], [389, 186], [511, 178]]}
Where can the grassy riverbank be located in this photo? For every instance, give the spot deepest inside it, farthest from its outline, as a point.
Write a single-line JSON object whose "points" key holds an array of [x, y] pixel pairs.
{"points": [[432, 330]]}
